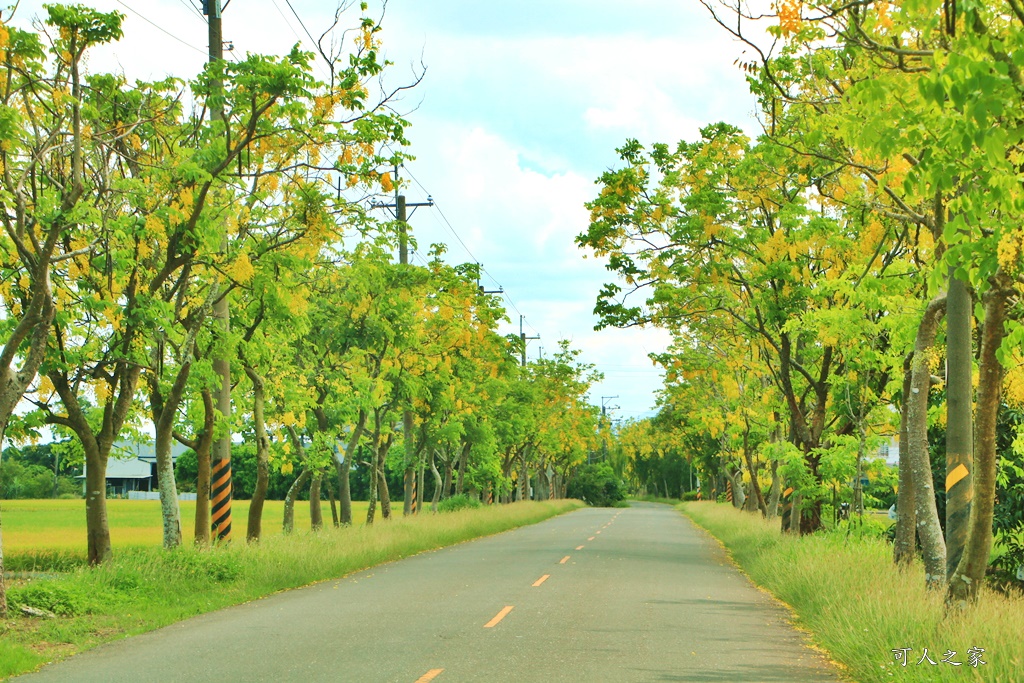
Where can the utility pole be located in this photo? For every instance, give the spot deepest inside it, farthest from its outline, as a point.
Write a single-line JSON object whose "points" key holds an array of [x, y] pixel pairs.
{"points": [[220, 471], [524, 339], [410, 503], [604, 417]]}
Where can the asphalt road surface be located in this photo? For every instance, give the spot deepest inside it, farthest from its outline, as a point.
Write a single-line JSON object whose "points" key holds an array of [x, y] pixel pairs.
{"points": [[599, 594]]}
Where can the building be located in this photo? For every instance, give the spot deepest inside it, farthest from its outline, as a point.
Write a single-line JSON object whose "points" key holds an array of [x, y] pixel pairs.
{"points": [[132, 467]]}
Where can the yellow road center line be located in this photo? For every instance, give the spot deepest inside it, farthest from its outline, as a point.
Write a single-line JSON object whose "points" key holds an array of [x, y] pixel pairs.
{"points": [[429, 676], [499, 616], [579, 547], [564, 560], [541, 580], [598, 531], [591, 538]]}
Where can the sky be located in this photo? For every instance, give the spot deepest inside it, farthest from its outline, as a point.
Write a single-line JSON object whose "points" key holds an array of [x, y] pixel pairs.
{"points": [[520, 111]]}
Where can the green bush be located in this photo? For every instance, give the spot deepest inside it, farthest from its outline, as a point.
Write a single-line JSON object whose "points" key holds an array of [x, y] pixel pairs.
{"points": [[596, 485], [50, 596], [690, 495], [459, 502]]}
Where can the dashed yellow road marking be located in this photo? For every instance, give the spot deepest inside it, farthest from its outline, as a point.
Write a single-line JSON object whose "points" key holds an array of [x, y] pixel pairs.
{"points": [[541, 580], [429, 676], [591, 538], [579, 547], [564, 560], [499, 616]]}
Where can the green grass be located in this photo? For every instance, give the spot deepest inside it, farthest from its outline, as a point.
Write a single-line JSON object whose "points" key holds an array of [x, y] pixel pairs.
{"points": [[845, 590], [144, 588]]}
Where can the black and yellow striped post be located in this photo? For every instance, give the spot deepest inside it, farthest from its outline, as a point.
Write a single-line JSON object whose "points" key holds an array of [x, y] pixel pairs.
{"points": [[959, 498], [787, 508], [728, 491], [414, 507], [220, 499]]}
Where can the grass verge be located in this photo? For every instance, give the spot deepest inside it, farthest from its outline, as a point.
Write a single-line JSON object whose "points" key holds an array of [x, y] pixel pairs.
{"points": [[145, 588], [845, 590]]}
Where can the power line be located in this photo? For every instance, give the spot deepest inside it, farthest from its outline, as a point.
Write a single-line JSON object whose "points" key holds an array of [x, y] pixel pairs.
{"points": [[297, 36], [161, 28], [193, 10], [301, 23], [281, 12], [455, 233]]}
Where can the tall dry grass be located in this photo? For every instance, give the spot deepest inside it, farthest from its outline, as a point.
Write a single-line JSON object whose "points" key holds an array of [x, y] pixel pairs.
{"points": [[845, 590]]}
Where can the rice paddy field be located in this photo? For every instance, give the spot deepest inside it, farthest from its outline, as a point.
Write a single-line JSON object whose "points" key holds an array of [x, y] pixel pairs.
{"points": [[59, 525]]}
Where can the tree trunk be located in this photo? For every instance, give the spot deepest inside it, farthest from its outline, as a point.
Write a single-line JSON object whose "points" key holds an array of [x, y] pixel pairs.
{"points": [[463, 463], [385, 495], [165, 410], [797, 515], [930, 532], [289, 501], [970, 572], [259, 494], [316, 513], [775, 492], [97, 526], [170, 511], [437, 483], [3, 586], [755, 485], [739, 498], [409, 479], [446, 487], [382, 484], [334, 506], [203, 447], [35, 327], [97, 447], [344, 469], [421, 471], [905, 545], [959, 420], [371, 510], [524, 477]]}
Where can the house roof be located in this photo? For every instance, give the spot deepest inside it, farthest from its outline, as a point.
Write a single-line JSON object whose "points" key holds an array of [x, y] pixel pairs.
{"points": [[127, 469], [143, 451]]}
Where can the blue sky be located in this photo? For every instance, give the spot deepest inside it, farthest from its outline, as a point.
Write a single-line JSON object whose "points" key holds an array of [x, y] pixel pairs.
{"points": [[521, 110]]}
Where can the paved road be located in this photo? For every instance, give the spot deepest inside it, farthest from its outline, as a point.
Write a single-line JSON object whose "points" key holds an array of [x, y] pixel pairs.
{"points": [[596, 595]]}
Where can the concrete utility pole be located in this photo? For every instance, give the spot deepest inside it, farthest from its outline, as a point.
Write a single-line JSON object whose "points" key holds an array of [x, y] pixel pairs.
{"points": [[524, 339], [220, 471], [604, 417], [410, 503]]}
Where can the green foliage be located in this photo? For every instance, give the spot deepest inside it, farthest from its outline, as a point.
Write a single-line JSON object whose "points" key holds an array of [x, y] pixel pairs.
{"points": [[18, 480], [53, 596], [243, 473], [596, 485], [461, 501]]}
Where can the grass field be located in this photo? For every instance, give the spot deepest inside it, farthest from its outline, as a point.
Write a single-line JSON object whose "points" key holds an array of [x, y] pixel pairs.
{"points": [[144, 587], [845, 590], [59, 525]]}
